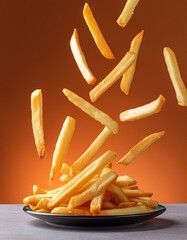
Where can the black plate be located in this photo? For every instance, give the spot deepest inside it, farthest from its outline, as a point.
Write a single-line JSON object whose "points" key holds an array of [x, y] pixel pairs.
{"points": [[91, 221]]}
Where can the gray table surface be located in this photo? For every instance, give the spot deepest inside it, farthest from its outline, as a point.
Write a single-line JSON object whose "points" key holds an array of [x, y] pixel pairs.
{"points": [[16, 224]]}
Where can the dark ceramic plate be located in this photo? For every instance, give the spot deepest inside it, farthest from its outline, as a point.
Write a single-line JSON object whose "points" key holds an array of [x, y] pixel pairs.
{"points": [[92, 221]]}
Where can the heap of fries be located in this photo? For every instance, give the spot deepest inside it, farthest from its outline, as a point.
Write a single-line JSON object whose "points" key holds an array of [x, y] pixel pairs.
{"points": [[90, 186]]}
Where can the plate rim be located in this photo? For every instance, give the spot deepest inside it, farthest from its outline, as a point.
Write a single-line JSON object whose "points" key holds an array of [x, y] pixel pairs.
{"points": [[159, 211]]}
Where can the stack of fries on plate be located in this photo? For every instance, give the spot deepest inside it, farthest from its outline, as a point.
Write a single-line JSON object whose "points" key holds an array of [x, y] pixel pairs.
{"points": [[90, 186]]}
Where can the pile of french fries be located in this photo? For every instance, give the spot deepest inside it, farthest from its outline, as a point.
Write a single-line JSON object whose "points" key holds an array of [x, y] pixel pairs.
{"points": [[90, 186]]}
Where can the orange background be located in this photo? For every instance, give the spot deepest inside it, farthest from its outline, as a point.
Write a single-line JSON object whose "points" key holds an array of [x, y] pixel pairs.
{"points": [[35, 53]]}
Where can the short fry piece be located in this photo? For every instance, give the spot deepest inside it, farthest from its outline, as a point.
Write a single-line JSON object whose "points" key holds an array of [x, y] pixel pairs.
{"points": [[80, 58], [129, 74], [127, 12], [37, 121], [62, 146], [93, 149], [113, 76], [81, 179], [96, 203], [126, 211], [98, 187], [91, 110], [125, 181], [140, 147], [174, 72], [143, 111], [96, 33]]}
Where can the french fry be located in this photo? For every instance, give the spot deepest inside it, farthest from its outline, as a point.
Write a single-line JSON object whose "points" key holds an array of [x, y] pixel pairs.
{"points": [[126, 211], [131, 193], [37, 121], [147, 201], [62, 146], [42, 204], [175, 75], [129, 74], [42, 210], [65, 178], [127, 12], [113, 76], [96, 203], [108, 205], [91, 110], [117, 193], [74, 211], [126, 204], [80, 58], [96, 33], [125, 181], [65, 168], [140, 147], [38, 190], [81, 179], [98, 187], [93, 149], [143, 111]]}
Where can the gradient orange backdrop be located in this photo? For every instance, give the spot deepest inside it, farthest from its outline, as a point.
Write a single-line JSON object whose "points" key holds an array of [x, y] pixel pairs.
{"points": [[35, 53]]}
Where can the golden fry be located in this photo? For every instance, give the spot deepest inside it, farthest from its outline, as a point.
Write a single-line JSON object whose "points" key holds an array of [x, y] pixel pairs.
{"points": [[126, 211], [113, 76], [131, 193], [143, 111], [140, 147], [93, 149], [117, 193], [127, 12], [125, 181], [98, 187], [129, 74], [62, 146], [175, 75], [37, 121], [96, 33], [81, 179], [80, 58], [74, 211], [96, 203], [91, 110]]}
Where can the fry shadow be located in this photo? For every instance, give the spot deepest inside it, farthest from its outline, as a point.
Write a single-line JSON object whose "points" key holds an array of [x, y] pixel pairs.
{"points": [[150, 225]]}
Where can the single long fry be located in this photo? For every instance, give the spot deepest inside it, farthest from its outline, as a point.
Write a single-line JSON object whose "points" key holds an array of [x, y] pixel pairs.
{"points": [[98, 187], [96, 33], [131, 193], [62, 146], [37, 121], [126, 211], [143, 111], [129, 74], [175, 75], [127, 12], [81, 179], [80, 58], [113, 76], [140, 147], [92, 111], [75, 211], [93, 149]]}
